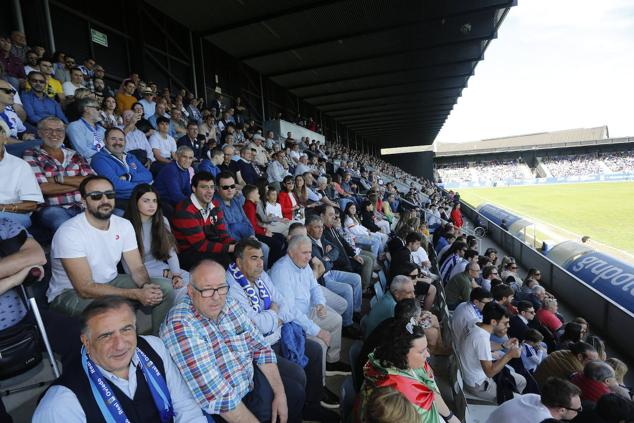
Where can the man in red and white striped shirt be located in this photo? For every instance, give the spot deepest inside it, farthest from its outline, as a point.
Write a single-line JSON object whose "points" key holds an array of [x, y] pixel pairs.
{"points": [[199, 227]]}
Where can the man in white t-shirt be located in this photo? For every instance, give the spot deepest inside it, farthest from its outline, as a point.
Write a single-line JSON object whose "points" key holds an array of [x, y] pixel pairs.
{"points": [[559, 401], [478, 367], [86, 250], [19, 191], [469, 313]]}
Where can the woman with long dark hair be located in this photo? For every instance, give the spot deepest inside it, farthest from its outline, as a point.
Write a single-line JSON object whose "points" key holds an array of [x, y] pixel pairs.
{"points": [[154, 238], [362, 235], [400, 362], [291, 208]]}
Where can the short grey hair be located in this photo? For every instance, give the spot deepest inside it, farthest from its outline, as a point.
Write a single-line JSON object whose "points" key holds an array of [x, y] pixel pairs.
{"points": [[322, 180], [296, 241], [538, 289], [182, 149], [47, 119], [398, 283], [598, 370]]}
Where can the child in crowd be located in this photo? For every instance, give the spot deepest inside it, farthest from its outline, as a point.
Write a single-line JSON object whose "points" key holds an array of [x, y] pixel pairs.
{"points": [[273, 209], [533, 350]]}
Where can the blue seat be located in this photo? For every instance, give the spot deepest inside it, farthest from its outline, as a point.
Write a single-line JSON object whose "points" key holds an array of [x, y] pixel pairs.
{"points": [[378, 290], [383, 280]]}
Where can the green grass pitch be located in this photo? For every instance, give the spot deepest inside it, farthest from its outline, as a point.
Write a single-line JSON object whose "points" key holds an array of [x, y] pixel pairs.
{"points": [[604, 211]]}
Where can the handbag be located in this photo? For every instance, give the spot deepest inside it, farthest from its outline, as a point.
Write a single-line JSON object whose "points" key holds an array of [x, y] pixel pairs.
{"points": [[20, 348], [20, 345]]}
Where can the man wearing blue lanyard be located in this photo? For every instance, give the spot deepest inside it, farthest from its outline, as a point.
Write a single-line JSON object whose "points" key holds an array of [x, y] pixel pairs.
{"points": [[85, 134], [120, 377]]}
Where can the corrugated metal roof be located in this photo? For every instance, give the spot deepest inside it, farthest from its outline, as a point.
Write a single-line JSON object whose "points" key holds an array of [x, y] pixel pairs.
{"points": [[379, 67], [524, 142]]}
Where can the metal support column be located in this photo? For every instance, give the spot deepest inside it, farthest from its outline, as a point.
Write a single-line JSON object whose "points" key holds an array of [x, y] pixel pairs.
{"points": [[49, 25], [191, 49], [202, 68], [347, 138], [336, 132], [18, 15], [262, 100]]}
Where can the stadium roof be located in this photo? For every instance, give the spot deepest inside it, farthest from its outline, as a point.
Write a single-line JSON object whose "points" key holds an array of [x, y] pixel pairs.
{"points": [[389, 70], [538, 140]]}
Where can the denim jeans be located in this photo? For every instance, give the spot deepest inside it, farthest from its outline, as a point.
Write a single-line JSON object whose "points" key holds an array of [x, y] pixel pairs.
{"points": [[348, 286], [23, 219], [52, 217], [376, 246]]}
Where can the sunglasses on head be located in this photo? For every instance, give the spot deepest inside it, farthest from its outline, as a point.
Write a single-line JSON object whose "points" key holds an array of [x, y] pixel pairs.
{"points": [[10, 91], [227, 187], [98, 195]]}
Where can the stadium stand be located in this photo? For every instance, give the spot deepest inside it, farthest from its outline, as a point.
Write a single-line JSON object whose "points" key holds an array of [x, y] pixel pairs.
{"points": [[92, 181]]}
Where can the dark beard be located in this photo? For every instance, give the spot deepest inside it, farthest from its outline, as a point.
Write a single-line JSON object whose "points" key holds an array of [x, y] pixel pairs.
{"points": [[101, 215]]}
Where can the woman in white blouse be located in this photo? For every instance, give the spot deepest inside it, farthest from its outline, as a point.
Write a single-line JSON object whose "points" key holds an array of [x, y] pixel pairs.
{"points": [[154, 238], [352, 224]]}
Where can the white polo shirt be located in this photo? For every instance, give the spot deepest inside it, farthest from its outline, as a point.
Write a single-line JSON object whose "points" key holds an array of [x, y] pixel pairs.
{"points": [[18, 181]]}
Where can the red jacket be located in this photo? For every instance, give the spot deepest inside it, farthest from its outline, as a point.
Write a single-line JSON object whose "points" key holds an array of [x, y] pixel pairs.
{"points": [[250, 210], [287, 206], [456, 218]]}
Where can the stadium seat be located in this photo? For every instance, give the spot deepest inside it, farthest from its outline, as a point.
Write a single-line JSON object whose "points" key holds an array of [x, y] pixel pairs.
{"points": [[378, 290], [383, 280], [347, 395]]}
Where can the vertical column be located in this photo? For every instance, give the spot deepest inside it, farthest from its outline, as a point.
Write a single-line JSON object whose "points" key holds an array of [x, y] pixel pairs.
{"points": [[49, 25], [262, 100], [193, 59]]}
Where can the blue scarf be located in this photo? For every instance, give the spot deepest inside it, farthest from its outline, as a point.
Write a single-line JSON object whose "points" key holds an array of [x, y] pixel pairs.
{"points": [[109, 405], [254, 295]]}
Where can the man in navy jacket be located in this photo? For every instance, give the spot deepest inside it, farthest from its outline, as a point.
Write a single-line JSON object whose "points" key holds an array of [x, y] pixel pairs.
{"points": [[173, 181], [125, 171]]}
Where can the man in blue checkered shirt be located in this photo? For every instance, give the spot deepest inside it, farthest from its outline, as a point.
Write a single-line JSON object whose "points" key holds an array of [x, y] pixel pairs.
{"points": [[215, 346]]}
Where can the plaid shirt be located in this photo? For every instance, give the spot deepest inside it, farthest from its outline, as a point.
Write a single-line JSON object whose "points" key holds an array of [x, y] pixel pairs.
{"points": [[45, 166], [215, 357]]}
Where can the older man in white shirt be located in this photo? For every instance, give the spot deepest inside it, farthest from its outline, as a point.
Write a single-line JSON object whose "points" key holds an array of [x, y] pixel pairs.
{"points": [[294, 278]]}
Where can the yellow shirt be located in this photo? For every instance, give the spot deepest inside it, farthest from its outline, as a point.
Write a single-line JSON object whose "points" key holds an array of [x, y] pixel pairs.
{"points": [[53, 87]]}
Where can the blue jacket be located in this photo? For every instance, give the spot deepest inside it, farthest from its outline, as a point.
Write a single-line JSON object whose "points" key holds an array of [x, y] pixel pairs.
{"points": [[173, 183], [38, 108], [207, 166], [105, 164]]}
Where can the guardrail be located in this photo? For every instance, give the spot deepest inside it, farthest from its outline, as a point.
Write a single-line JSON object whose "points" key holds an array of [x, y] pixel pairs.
{"points": [[607, 318]]}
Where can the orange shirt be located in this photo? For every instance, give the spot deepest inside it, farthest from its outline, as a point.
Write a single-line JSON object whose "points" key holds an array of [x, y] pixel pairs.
{"points": [[124, 102]]}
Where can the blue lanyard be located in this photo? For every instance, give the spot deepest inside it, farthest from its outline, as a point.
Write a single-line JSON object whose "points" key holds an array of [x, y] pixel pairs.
{"points": [[96, 138], [107, 401]]}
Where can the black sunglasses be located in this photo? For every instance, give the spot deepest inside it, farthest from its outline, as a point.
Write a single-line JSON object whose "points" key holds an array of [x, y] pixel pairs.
{"points": [[578, 410], [227, 187], [98, 195], [8, 91], [37, 81]]}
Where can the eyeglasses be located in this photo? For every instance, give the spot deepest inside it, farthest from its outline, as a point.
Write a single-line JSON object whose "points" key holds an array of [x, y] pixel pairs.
{"points": [[208, 293], [228, 187], [10, 91], [513, 267], [290, 183], [415, 275], [98, 195], [578, 410], [53, 131], [37, 81]]}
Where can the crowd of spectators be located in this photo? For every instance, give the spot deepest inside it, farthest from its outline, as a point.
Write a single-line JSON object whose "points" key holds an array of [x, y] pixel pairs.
{"points": [[484, 171], [559, 166], [249, 254]]}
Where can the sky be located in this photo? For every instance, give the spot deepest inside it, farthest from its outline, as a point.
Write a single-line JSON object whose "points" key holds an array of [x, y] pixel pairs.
{"points": [[556, 64]]}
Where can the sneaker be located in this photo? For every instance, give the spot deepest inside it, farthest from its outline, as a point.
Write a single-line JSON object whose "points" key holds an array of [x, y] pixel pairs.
{"points": [[329, 399], [320, 414], [352, 331], [338, 368]]}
